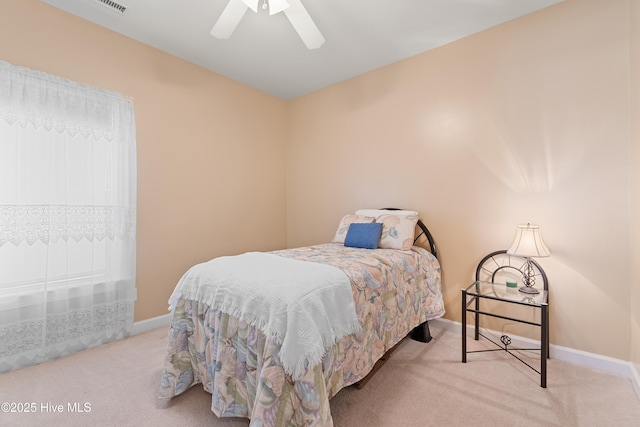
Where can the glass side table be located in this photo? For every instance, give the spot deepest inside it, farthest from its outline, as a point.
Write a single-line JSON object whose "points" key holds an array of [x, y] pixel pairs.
{"points": [[479, 290]]}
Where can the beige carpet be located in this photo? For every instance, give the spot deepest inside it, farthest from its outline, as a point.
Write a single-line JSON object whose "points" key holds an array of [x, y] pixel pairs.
{"points": [[422, 385]]}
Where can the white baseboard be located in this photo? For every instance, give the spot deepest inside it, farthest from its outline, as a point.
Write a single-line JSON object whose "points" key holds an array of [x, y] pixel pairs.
{"points": [[149, 324], [578, 357]]}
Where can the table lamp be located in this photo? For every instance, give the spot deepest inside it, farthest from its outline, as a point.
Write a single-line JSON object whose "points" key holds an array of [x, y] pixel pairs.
{"points": [[528, 244]]}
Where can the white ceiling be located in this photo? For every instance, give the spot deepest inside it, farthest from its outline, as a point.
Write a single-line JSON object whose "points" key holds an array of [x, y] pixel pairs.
{"points": [[266, 53]]}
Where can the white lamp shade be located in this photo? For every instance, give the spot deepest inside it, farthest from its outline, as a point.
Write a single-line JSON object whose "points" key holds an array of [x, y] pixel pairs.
{"points": [[528, 242]]}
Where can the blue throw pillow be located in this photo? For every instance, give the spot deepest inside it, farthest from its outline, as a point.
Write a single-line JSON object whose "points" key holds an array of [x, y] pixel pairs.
{"points": [[364, 236]]}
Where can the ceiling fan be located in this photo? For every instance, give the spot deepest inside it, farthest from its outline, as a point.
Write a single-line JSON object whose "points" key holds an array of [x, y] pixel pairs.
{"points": [[293, 9]]}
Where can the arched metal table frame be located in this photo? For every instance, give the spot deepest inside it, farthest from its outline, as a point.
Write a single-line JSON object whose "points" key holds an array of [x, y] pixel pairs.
{"points": [[473, 294]]}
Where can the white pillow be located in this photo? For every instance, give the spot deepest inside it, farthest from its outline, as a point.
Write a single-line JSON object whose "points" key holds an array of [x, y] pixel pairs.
{"points": [[346, 221], [377, 212], [398, 231]]}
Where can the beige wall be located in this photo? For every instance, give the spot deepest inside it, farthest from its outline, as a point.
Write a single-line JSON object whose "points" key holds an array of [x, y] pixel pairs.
{"points": [[635, 182], [525, 122], [208, 184]]}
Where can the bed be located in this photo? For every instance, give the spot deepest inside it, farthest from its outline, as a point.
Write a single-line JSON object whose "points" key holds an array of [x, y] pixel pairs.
{"points": [[248, 364]]}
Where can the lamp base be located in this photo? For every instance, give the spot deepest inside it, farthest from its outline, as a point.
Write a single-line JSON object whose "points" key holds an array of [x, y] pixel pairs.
{"points": [[528, 290]]}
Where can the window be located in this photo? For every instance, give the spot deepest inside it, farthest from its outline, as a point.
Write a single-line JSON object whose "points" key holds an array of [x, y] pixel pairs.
{"points": [[67, 216]]}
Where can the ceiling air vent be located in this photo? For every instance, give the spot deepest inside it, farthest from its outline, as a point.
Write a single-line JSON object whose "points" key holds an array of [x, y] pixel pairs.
{"points": [[119, 7]]}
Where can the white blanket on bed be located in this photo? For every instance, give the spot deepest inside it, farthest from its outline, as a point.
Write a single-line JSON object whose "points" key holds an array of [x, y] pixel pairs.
{"points": [[305, 306]]}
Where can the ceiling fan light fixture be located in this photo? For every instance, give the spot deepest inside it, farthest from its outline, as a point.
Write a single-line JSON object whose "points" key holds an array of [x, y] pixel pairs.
{"points": [[293, 9], [275, 6]]}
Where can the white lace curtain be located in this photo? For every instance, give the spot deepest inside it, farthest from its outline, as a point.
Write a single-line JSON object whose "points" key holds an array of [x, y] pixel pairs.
{"points": [[67, 216]]}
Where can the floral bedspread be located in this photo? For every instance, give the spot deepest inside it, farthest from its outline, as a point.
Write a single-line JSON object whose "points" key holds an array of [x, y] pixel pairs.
{"points": [[394, 291]]}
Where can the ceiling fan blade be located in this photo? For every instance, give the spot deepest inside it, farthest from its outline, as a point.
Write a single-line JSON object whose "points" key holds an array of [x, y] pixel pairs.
{"points": [[304, 25], [229, 19], [276, 6], [252, 4]]}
